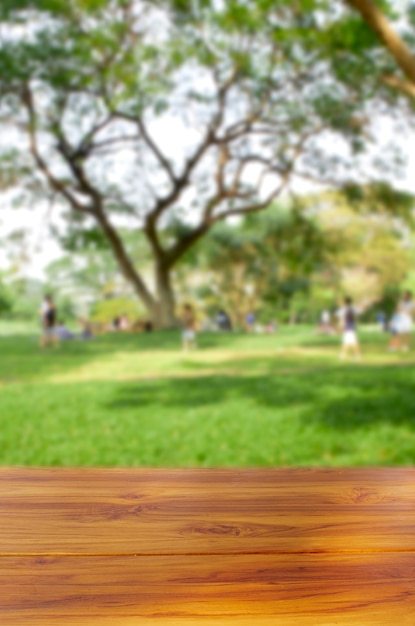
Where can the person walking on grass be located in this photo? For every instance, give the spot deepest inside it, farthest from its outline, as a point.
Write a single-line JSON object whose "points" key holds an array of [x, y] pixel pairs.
{"points": [[403, 324], [393, 328], [348, 322], [48, 321], [189, 327]]}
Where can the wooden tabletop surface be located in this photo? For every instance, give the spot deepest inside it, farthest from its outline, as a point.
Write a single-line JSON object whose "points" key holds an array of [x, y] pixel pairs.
{"points": [[216, 546]]}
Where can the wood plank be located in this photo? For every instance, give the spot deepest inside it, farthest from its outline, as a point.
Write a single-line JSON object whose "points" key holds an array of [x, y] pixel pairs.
{"points": [[365, 589], [226, 511]]}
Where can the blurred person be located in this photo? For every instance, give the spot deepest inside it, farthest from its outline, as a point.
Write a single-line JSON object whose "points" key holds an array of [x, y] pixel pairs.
{"points": [[189, 327], [223, 321], [48, 315], [270, 327], [148, 326], [124, 323], [62, 332], [404, 322], [250, 321], [382, 321], [347, 316], [86, 329], [393, 327], [325, 325]]}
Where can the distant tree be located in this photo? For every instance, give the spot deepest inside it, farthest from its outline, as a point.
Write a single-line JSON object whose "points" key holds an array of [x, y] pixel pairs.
{"points": [[259, 264], [369, 252]]}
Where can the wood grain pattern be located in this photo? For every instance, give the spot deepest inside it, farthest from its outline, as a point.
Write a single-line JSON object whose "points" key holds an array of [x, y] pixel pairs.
{"points": [[205, 511], [225, 547], [312, 589]]}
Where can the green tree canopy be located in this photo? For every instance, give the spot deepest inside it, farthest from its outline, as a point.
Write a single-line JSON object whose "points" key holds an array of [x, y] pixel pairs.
{"points": [[253, 93], [256, 265], [368, 252]]}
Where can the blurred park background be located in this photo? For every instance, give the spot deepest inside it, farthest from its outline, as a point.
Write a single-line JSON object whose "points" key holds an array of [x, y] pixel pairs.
{"points": [[252, 159]]}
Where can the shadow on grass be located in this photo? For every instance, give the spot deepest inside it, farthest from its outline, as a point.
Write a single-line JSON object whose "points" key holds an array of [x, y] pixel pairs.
{"points": [[342, 398], [211, 390], [370, 395]]}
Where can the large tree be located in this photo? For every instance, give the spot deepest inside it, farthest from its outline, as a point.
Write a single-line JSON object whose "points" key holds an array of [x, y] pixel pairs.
{"points": [[167, 117]]}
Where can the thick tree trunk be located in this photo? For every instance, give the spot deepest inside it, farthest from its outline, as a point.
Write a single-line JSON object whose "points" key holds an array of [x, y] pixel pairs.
{"points": [[164, 314], [125, 264], [161, 308]]}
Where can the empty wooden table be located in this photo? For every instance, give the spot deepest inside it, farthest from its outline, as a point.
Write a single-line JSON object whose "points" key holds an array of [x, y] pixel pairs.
{"points": [[215, 546]]}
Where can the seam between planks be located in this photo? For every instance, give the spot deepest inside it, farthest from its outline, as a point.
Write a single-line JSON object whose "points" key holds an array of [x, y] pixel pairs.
{"points": [[201, 554]]}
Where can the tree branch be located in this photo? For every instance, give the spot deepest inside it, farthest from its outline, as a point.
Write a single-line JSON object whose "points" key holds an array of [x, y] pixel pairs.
{"points": [[402, 85], [55, 183], [124, 261], [154, 240], [256, 207], [156, 150], [94, 209], [185, 243], [381, 26], [74, 163], [161, 158], [182, 181]]}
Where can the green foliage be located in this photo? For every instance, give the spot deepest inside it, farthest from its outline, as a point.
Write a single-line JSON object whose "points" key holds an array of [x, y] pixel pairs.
{"points": [[79, 239], [26, 296], [67, 309], [81, 271], [368, 254], [260, 264], [105, 311], [380, 197], [6, 299], [294, 261]]}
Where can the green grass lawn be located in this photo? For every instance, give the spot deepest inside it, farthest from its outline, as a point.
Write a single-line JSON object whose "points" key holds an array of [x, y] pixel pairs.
{"points": [[239, 400]]}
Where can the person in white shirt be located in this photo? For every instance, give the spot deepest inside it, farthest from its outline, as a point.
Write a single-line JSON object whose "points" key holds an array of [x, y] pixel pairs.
{"points": [[189, 327], [405, 321], [347, 316]]}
